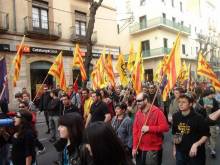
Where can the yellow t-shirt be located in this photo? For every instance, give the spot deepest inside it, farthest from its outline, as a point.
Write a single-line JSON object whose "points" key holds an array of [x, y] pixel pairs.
{"points": [[87, 107]]}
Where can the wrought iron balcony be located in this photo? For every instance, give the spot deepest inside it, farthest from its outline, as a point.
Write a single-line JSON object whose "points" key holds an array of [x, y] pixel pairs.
{"points": [[41, 29], [4, 22], [159, 22], [80, 37]]}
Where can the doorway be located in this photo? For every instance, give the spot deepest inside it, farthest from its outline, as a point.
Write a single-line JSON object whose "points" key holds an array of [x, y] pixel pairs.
{"points": [[38, 72]]}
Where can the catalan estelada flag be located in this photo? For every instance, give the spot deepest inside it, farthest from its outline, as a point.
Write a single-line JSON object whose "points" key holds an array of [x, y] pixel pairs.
{"points": [[17, 63], [78, 62], [57, 70], [172, 68], [204, 69]]}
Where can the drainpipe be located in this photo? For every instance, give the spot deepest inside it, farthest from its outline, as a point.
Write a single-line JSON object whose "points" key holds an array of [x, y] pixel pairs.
{"points": [[14, 16]]}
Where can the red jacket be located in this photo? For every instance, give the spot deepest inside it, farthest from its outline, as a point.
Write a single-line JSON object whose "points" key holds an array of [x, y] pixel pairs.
{"points": [[152, 140]]}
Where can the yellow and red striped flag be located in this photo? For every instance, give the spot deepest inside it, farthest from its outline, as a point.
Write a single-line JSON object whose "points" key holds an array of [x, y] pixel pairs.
{"points": [[17, 62], [109, 70], [204, 69], [138, 73], [78, 62], [57, 70], [172, 68]]}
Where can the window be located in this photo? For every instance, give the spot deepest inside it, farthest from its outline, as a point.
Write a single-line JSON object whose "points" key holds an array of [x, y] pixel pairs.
{"points": [[183, 49], [172, 2], [174, 20], [165, 41], [142, 2], [164, 17], [40, 18], [197, 49], [146, 47], [80, 23], [181, 7], [182, 23], [143, 22]]}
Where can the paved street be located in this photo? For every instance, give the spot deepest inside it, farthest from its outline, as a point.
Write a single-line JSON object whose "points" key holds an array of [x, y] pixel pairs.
{"points": [[51, 155]]}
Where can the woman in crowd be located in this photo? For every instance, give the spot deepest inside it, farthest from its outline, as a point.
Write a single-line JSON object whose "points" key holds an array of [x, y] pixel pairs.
{"points": [[104, 146], [24, 139], [122, 125], [71, 132]]}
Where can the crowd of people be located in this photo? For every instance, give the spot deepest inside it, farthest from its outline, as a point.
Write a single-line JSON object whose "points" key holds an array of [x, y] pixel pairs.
{"points": [[113, 126]]}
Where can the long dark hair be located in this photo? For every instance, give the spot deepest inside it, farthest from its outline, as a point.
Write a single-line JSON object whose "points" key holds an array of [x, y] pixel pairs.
{"points": [[26, 124], [74, 123], [106, 147]]}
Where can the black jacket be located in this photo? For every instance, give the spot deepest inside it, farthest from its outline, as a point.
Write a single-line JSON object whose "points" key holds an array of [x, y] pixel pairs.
{"points": [[44, 101]]}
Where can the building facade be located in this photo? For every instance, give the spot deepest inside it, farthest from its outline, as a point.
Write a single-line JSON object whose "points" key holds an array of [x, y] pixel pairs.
{"points": [[51, 26], [156, 23]]}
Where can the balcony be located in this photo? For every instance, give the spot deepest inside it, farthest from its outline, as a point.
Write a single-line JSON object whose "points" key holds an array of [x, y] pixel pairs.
{"points": [[159, 22], [4, 22], [157, 52], [47, 30], [76, 38]]}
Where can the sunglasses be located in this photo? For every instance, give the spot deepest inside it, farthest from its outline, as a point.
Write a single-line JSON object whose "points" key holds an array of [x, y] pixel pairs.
{"points": [[139, 100]]}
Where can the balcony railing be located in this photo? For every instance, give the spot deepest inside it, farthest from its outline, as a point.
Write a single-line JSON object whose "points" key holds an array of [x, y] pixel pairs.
{"points": [[81, 38], [153, 52], [42, 29], [159, 21], [4, 22]]}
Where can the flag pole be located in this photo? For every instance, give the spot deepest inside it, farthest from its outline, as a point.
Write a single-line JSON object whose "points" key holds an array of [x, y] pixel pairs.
{"points": [[40, 87], [3, 90]]}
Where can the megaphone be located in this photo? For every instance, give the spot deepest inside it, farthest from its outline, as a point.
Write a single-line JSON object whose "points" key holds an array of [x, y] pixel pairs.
{"points": [[6, 122]]}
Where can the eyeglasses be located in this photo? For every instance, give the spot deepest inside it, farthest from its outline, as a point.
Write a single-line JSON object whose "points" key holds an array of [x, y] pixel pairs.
{"points": [[139, 100]]}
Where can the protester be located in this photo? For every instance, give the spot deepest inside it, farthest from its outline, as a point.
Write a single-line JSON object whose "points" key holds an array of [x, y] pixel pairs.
{"points": [[210, 105], [173, 108], [87, 103], [101, 134], [23, 141], [43, 106], [149, 150], [54, 113], [190, 134], [31, 105], [99, 110], [71, 132], [68, 107], [122, 125]]}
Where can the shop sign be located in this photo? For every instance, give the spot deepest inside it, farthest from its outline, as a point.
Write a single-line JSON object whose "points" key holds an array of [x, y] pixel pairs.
{"points": [[4, 47]]}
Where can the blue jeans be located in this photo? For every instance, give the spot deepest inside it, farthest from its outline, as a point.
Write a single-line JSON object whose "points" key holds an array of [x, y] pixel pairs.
{"points": [[185, 159]]}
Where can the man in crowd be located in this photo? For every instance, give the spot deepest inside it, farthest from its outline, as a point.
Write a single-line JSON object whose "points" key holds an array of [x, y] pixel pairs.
{"points": [[190, 134], [54, 113], [87, 103], [44, 100], [99, 110], [68, 107], [149, 150]]}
